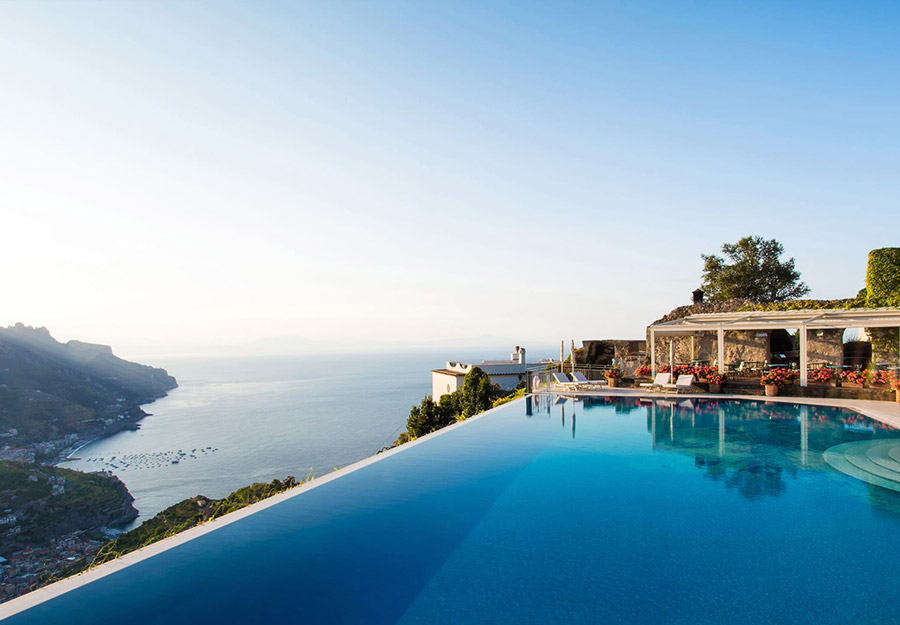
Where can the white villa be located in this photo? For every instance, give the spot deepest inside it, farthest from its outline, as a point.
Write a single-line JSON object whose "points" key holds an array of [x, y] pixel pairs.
{"points": [[504, 373]]}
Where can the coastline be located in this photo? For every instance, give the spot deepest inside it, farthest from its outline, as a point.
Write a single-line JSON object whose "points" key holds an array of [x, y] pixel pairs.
{"points": [[132, 425]]}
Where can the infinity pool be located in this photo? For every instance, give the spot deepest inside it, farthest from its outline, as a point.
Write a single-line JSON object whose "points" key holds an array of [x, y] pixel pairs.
{"points": [[554, 511]]}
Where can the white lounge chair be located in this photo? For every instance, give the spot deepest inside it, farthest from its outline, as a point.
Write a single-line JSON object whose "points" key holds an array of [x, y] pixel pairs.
{"points": [[560, 379], [683, 383], [581, 381], [658, 382]]}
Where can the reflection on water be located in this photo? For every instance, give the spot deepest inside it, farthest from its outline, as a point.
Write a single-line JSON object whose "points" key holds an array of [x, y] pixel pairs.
{"points": [[750, 445], [754, 479]]}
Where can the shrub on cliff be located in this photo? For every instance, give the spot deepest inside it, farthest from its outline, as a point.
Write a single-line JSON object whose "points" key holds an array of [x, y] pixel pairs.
{"points": [[476, 392], [428, 417]]}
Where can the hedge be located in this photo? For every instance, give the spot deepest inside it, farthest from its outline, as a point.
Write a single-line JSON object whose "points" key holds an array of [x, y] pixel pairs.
{"points": [[883, 277]]}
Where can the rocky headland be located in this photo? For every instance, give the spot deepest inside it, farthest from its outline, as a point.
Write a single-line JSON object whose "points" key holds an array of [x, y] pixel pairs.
{"points": [[55, 397]]}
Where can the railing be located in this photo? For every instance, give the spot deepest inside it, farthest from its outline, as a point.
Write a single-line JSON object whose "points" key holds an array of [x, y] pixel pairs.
{"points": [[540, 375]]}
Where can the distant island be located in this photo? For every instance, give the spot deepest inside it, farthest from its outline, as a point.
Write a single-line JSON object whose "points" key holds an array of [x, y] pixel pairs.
{"points": [[55, 397]]}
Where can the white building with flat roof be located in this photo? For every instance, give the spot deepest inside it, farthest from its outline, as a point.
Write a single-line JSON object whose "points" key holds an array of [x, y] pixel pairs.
{"points": [[504, 373]]}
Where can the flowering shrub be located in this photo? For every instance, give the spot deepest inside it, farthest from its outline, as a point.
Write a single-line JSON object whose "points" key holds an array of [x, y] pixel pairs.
{"points": [[665, 369], [705, 372], [880, 377], [895, 385], [613, 374], [823, 374], [643, 370], [779, 377], [716, 378], [684, 370], [855, 377]]}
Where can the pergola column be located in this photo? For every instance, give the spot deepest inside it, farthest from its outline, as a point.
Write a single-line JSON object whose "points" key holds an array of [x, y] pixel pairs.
{"points": [[720, 340], [804, 359], [652, 352]]}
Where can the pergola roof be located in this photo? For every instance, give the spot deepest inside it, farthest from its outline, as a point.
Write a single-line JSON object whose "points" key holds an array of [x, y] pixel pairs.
{"points": [[830, 319]]}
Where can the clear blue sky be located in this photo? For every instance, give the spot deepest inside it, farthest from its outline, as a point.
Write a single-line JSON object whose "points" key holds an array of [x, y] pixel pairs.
{"points": [[185, 175]]}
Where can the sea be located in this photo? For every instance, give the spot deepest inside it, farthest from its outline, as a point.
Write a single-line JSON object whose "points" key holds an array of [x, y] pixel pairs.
{"points": [[234, 421]]}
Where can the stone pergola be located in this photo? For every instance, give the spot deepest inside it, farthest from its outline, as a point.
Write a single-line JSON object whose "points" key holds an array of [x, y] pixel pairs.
{"points": [[805, 320]]}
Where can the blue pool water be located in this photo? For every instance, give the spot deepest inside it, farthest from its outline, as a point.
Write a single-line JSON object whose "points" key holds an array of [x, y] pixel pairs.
{"points": [[601, 511]]}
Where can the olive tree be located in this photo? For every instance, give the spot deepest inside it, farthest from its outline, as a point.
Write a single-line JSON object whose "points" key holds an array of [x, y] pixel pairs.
{"points": [[751, 269]]}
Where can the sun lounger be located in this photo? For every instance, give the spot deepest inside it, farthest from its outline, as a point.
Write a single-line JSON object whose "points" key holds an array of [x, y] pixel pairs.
{"points": [[560, 379], [683, 383], [583, 382], [658, 381]]}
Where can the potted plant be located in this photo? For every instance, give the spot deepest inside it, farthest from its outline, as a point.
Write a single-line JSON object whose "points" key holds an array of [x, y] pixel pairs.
{"points": [[716, 380], [702, 373], [612, 376], [822, 375], [854, 378], [776, 379], [879, 379]]}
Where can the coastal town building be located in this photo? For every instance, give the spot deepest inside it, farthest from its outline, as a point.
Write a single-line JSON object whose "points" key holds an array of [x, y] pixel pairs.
{"points": [[504, 373]]}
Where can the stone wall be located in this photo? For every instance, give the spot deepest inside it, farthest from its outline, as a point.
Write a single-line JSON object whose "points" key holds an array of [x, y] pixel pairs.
{"points": [[884, 344], [747, 345], [826, 348], [739, 345], [629, 355]]}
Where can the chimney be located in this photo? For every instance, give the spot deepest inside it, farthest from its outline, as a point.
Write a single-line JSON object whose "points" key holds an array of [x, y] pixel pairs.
{"points": [[698, 296]]}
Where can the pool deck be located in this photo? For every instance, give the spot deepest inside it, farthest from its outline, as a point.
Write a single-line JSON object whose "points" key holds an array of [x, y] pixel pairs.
{"points": [[885, 411]]}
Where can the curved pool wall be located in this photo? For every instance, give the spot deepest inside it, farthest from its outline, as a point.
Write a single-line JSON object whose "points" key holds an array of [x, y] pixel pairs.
{"points": [[551, 511]]}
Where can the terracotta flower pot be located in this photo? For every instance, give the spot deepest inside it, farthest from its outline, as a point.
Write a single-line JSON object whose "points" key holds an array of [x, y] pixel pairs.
{"points": [[898, 395], [612, 382], [771, 390], [715, 388]]}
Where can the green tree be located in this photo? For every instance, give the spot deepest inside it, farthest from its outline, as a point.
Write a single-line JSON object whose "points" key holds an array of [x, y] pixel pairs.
{"points": [[427, 417], [476, 392], [751, 269]]}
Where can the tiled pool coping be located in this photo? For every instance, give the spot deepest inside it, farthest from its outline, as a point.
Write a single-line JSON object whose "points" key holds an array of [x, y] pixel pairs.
{"points": [[885, 412]]}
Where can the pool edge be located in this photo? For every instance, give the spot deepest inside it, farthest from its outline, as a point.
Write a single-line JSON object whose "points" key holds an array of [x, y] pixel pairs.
{"points": [[68, 584]]}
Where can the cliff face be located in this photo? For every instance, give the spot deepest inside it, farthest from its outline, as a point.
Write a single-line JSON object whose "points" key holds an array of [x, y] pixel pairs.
{"points": [[52, 395], [731, 305]]}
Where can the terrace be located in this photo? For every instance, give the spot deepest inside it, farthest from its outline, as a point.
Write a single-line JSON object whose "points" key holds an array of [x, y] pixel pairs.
{"points": [[741, 343]]}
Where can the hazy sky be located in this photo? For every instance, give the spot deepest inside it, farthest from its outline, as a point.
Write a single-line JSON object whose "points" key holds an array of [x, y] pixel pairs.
{"points": [[187, 175]]}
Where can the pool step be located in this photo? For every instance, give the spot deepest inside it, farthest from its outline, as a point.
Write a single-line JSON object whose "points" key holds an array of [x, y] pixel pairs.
{"points": [[875, 461]]}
